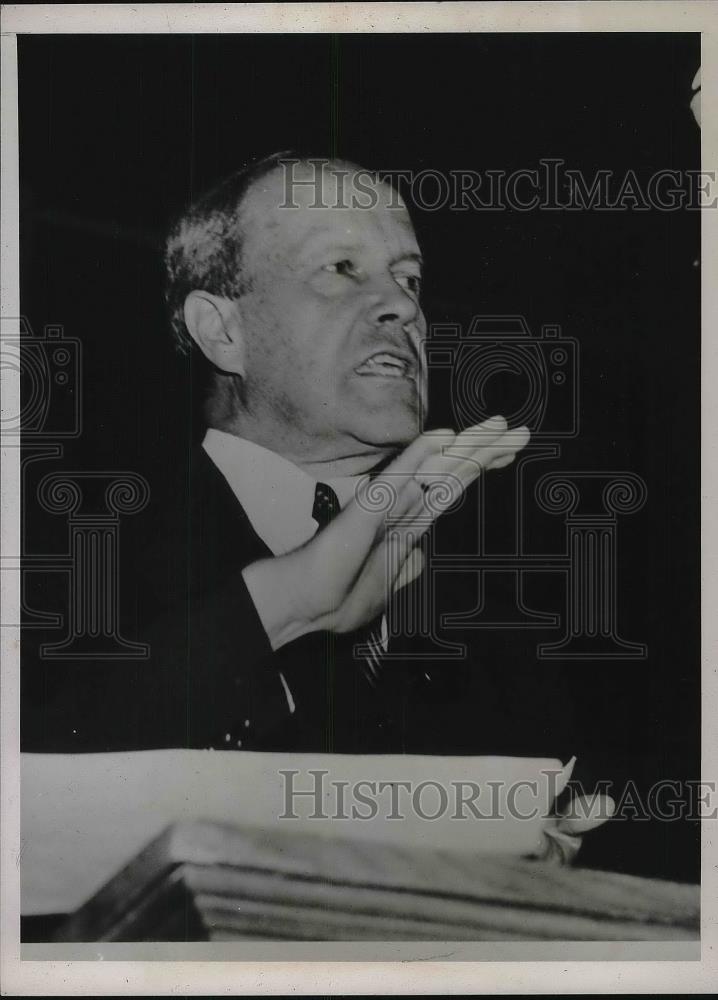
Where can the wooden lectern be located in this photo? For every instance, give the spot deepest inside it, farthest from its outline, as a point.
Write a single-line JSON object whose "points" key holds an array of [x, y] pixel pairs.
{"points": [[203, 881]]}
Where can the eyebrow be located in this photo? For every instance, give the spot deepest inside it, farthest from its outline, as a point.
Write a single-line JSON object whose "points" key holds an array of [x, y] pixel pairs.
{"points": [[415, 257], [318, 240]]}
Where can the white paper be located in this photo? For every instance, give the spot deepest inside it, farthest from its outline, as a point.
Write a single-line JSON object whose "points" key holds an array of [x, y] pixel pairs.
{"points": [[84, 816]]}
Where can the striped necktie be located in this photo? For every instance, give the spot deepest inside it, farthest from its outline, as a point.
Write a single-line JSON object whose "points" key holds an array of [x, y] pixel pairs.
{"points": [[373, 636]]}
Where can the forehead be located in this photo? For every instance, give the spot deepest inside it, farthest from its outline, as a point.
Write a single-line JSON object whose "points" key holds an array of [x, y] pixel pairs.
{"points": [[292, 216]]}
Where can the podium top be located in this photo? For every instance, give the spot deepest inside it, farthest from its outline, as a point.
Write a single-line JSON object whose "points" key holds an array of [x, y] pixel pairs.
{"points": [[210, 881]]}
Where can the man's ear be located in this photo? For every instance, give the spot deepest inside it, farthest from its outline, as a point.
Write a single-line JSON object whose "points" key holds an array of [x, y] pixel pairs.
{"points": [[214, 325]]}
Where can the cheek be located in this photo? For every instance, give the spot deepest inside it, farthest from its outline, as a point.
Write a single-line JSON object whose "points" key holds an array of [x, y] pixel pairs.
{"points": [[297, 339], [279, 361], [267, 335]]}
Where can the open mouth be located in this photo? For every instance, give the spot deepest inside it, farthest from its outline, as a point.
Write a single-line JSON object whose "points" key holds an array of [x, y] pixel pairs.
{"points": [[388, 365]]}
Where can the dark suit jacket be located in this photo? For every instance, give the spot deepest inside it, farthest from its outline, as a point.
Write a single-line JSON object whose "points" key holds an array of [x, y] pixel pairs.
{"points": [[212, 679]]}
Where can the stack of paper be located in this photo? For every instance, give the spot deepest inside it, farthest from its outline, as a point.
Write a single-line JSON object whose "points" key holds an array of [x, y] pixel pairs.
{"points": [[85, 816]]}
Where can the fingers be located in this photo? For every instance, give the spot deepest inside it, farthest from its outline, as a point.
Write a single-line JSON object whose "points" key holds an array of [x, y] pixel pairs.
{"points": [[392, 564], [411, 569], [438, 461], [475, 449], [403, 538], [429, 443], [558, 847], [450, 473], [501, 463], [477, 436], [394, 490], [441, 452], [501, 453], [379, 532]]}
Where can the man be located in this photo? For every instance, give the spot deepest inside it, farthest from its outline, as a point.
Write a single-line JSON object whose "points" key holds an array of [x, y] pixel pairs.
{"points": [[264, 595]]}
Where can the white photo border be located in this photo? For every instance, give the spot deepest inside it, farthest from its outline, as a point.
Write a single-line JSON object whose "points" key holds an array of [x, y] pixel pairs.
{"points": [[568, 967]]}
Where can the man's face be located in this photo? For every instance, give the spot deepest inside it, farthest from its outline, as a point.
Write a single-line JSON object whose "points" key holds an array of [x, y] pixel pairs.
{"points": [[332, 322]]}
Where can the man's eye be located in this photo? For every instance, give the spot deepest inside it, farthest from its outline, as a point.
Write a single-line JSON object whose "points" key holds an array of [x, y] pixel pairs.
{"points": [[412, 282], [345, 267]]}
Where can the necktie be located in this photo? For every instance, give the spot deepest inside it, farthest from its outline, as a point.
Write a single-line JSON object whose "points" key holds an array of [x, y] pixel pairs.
{"points": [[326, 507]]}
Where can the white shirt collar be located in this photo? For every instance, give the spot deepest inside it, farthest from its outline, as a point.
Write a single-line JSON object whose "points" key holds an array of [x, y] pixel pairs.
{"points": [[276, 494]]}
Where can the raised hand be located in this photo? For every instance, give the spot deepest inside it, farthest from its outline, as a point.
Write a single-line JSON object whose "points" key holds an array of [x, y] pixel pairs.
{"points": [[344, 577]]}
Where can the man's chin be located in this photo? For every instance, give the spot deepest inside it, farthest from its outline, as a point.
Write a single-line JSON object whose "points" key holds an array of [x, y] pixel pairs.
{"points": [[382, 414], [388, 431]]}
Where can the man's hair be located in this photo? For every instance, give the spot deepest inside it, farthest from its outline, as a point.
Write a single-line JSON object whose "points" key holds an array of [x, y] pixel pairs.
{"points": [[204, 246]]}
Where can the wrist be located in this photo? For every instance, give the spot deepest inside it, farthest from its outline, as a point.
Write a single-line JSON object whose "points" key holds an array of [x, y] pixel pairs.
{"points": [[270, 585]]}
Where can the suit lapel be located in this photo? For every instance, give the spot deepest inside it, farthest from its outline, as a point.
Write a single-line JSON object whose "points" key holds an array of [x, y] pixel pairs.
{"points": [[222, 537]]}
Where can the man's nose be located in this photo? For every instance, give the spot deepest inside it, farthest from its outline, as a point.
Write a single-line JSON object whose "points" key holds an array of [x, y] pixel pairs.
{"points": [[392, 304]]}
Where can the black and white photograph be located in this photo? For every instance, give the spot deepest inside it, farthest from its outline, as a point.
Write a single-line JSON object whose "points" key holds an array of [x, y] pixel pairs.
{"points": [[352, 551]]}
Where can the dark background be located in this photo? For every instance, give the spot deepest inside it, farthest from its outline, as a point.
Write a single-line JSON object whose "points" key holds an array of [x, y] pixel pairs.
{"points": [[118, 134]]}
